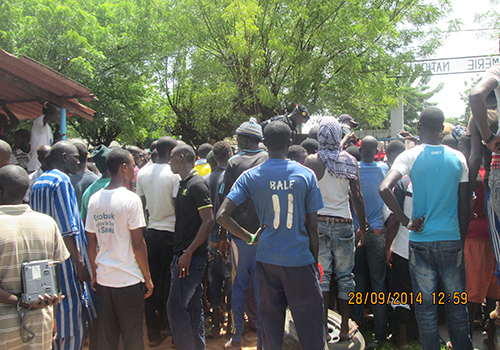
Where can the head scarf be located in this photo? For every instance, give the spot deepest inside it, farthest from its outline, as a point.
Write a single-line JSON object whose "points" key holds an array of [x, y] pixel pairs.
{"points": [[337, 161]]}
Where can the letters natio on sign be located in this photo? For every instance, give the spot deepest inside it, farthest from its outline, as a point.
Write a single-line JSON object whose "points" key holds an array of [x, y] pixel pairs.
{"points": [[472, 64]]}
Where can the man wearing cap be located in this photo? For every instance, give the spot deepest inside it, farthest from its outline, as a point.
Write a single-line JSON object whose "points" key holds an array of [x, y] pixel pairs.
{"points": [[348, 123], [299, 115], [99, 157], [248, 136]]}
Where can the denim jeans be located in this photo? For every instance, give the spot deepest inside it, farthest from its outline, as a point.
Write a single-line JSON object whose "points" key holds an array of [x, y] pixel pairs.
{"points": [[219, 274], [370, 264], [185, 307], [432, 264], [243, 259], [336, 255]]}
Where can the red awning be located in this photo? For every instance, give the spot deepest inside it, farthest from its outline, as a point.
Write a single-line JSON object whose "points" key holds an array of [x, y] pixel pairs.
{"points": [[26, 84]]}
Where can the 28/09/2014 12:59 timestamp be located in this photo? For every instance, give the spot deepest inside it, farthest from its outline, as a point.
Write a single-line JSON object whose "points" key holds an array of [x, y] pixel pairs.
{"points": [[403, 298]]}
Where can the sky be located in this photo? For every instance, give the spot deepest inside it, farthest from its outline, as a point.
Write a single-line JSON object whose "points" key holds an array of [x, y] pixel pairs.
{"points": [[461, 44], [464, 43]]}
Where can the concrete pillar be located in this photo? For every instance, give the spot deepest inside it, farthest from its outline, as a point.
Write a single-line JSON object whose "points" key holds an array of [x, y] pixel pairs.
{"points": [[397, 119]]}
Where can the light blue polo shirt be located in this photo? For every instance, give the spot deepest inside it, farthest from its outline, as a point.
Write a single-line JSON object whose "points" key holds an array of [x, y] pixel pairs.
{"points": [[435, 173]]}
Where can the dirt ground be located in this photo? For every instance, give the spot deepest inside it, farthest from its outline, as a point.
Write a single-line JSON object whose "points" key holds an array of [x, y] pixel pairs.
{"points": [[248, 342]]}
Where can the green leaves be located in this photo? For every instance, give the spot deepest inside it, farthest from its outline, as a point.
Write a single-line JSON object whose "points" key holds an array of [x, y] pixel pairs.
{"points": [[198, 68]]}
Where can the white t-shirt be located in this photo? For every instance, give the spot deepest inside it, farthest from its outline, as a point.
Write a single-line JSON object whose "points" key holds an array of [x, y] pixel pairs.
{"points": [[400, 244], [111, 215], [40, 135], [159, 185]]}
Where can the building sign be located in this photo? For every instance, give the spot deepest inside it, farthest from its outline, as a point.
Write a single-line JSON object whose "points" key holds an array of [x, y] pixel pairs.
{"points": [[458, 65]]}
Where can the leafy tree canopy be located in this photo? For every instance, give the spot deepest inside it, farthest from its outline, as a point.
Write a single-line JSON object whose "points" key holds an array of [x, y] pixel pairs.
{"points": [[198, 68]]}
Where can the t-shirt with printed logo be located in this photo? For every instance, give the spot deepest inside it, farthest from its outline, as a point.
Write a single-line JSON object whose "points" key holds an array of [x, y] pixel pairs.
{"points": [[111, 215]]}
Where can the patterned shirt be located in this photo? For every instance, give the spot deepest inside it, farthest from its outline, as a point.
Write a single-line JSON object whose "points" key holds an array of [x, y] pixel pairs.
{"points": [[53, 194], [26, 236]]}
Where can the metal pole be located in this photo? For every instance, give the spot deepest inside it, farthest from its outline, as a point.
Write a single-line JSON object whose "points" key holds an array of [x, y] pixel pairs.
{"points": [[63, 124]]}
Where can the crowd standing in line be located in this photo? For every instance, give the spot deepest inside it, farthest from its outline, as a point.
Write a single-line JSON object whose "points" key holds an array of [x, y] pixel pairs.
{"points": [[311, 227]]}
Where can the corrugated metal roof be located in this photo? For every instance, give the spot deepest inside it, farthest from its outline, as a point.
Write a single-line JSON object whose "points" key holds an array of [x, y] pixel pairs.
{"points": [[26, 84]]}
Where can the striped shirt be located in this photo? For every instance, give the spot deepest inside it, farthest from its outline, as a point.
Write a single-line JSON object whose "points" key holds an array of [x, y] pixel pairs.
{"points": [[26, 236], [53, 194]]}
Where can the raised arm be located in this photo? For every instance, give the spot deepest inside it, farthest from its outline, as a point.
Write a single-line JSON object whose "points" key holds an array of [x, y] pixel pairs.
{"points": [[207, 223], [477, 100]]}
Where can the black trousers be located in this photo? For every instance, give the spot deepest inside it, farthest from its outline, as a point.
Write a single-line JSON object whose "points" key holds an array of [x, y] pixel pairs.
{"points": [[160, 246], [118, 314], [401, 283]]}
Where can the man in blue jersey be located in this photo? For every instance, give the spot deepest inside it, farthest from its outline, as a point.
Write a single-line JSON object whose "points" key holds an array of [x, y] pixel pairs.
{"points": [[286, 197], [439, 177], [53, 194], [369, 260]]}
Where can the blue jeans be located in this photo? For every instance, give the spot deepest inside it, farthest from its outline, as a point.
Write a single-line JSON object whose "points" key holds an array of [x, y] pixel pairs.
{"points": [[243, 259], [185, 307], [370, 264], [432, 264], [336, 255]]}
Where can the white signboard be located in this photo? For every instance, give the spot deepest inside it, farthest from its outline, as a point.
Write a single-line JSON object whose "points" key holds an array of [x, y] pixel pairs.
{"points": [[459, 65]]}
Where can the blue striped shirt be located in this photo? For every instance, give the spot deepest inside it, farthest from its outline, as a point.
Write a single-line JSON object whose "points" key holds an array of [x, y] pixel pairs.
{"points": [[53, 194]]}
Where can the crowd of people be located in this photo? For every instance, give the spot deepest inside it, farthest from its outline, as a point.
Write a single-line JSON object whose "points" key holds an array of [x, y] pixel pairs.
{"points": [[261, 226]]}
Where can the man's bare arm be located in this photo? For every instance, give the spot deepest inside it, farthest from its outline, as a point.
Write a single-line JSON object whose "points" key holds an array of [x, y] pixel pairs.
{"points": [[312, 231], [477, 100], [358, 203], [81, 269], [141, 256], [476, 155], [207, 223], [92, 249], [392, 231], [226, 221], [463, 209], [385, 190]]}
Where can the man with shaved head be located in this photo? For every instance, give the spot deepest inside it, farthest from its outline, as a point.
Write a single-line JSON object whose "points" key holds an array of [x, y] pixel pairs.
{"points": [[53, 194], [24, 236], [338, 178], [5, 153], [83, 178], [157, 186], [438, 228], [369, 260], [193, 222]]}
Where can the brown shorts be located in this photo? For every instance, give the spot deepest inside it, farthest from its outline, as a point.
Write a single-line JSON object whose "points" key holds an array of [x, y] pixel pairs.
{"points": [[480, 265]]}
